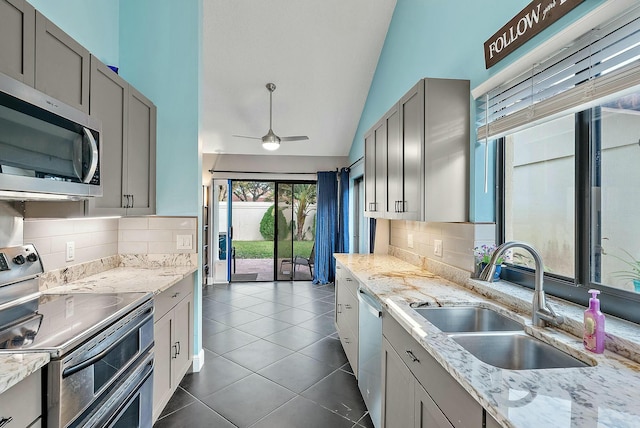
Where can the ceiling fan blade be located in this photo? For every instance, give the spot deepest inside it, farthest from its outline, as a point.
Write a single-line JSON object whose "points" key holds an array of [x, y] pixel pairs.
{"points": [[246, 136], [294, 138]]}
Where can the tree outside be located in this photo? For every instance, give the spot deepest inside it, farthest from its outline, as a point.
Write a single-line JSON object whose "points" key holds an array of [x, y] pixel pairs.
{"points": [[253, 191], [304, 198]]}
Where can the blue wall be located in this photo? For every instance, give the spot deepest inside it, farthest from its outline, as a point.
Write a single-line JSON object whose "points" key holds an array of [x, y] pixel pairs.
{"points": [[93, 24], [159, 55], [160, 47], [435, 38]]}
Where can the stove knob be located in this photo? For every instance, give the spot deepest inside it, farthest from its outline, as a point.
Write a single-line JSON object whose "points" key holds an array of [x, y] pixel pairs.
{"points": [[19, 259], [32, 257]]}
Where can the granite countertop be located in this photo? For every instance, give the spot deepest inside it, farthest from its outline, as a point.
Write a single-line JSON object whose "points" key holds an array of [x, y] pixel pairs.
{"points": [[14, 368], [605, 395], [127, 279]]}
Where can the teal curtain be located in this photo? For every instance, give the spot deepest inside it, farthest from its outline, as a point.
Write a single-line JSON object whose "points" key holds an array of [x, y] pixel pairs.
{"points": [[326, 228]]}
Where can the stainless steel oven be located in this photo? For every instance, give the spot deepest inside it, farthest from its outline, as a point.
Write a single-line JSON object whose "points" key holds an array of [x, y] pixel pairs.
{"points": [[48, 150], [89, 374], [101, 346]]}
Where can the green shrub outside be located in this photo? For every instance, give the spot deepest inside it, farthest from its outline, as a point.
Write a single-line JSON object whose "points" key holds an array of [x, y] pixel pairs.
{"points": [[267, 225]]}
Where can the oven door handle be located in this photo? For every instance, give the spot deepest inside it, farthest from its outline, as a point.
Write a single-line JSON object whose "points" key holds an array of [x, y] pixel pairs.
{"points": [[91, 360]]}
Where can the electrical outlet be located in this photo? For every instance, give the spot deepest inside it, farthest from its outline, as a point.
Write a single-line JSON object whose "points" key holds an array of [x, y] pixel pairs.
{"points": [[437, 247], [71, 251], [410, 240], [184, 242]]}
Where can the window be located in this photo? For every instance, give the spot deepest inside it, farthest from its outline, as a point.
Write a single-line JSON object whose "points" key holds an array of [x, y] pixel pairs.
{"points": [[569, 187], [539, 194]]}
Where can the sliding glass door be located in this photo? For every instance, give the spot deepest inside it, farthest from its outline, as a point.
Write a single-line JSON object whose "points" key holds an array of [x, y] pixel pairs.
{"points": [[272, 230]]}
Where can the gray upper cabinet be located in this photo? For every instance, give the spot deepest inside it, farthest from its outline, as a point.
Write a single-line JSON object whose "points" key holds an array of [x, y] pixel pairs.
{"points": [[447, 145], [17, 40], [127, 167], [141, 155], [376, 169], [424, 163], [109, 103], [62, 65]]}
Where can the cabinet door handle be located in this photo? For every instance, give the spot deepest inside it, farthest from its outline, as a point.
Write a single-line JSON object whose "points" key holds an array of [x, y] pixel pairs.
{"points": [[346, 340], [175, 295], [5, 421], [178, 351], [175, 349], [412, 356], [133, 202], [339, 308], [347, 306]]}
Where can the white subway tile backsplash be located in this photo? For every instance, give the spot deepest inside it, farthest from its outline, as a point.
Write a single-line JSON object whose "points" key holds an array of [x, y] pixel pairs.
{"points": [[97, 238], [173, 223], [133, 247], [459, 239], [133, 235], [133, 223]]}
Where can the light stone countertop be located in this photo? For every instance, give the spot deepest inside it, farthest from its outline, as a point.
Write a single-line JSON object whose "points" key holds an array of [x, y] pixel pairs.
{"points": [[14, 368], [127, 279], [606, 395]]}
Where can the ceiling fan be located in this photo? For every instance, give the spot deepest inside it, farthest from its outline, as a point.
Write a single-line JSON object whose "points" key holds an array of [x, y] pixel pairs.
{"points": [[271, 141]]}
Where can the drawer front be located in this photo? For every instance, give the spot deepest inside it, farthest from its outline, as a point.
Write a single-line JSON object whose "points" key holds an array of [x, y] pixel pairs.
{"points": [[345, 278], [23, 401], [454, 401], [347, 308], [172, 296], [350, 345]]}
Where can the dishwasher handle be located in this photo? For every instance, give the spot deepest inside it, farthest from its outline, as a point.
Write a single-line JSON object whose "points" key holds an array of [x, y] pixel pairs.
{"points": [[370, 303]]}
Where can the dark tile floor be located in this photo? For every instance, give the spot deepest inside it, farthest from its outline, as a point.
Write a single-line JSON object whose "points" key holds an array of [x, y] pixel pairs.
{"points": [[272, 359]]}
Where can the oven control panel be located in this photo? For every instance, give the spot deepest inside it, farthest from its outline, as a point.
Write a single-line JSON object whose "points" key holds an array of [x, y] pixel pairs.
{"points": [[19, 263]]}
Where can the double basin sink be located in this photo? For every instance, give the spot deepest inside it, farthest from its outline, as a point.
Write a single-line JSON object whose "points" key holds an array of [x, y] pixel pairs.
{"points": [[496, 339]]}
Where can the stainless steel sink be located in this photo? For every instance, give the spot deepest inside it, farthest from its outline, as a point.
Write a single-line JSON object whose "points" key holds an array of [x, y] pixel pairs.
{"points": [[515, 351], [454, 319]]}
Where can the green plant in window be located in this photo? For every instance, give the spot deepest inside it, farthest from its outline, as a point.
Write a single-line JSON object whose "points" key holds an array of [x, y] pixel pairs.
{"points": [[484, 252], [633, 265]]}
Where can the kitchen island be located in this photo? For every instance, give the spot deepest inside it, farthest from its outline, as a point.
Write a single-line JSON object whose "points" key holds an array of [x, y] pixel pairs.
{"points": [[603, 395]]}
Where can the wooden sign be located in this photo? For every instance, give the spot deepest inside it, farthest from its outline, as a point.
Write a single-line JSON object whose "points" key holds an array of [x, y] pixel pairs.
{"points": [[535, 17]]}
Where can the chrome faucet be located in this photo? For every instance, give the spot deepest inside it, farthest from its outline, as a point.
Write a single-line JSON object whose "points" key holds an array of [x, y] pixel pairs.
{"points": [[542, 312]]}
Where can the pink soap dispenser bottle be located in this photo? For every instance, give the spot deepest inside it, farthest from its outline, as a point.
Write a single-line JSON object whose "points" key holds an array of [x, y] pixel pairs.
{"points": [[593, 337]]}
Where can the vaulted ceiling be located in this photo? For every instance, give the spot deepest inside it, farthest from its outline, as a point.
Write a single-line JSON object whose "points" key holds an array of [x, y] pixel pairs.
{"points": [[321, 54]]}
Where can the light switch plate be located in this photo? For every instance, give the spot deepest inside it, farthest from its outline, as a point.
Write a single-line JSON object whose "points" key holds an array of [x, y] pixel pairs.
{"points": [[437, 247], [71, 251], [410, 240], [184, 242]]}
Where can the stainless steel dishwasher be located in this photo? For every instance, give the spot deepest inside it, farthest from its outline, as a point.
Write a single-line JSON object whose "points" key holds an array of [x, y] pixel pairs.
{"points": [[370, 354]]}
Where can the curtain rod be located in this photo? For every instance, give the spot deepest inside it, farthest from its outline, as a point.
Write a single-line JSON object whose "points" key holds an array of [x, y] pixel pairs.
{"points": [[261, 172], [356, 161]]}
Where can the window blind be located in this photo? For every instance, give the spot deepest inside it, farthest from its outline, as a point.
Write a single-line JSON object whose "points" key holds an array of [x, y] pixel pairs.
{"points": [[602, 62]]}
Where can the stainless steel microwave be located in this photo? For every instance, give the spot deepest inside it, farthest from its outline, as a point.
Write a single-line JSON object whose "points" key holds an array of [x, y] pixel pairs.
{"points": [[48, 150]]}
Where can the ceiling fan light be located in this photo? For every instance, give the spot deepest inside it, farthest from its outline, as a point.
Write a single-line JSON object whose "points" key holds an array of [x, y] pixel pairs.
{"points": [[270, 145]]}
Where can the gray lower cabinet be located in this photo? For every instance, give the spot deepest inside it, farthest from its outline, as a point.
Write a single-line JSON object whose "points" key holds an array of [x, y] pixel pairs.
{"points": [[17, 40], [173, 336], [127, 167], [62, 65], [22, 403], [346, 314], [444, 402], [490, 422]]}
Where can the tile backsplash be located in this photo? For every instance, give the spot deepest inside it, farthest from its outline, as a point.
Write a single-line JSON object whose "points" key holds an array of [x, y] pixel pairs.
{"points": [[96, 238], [416, 240]]}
